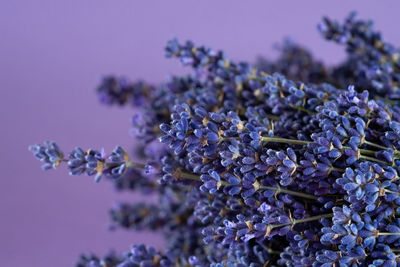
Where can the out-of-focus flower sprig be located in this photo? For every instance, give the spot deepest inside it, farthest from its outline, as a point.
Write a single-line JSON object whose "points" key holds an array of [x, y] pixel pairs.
{"points": [[113, 90], [138, 256], [296, 63], [372, 63]]}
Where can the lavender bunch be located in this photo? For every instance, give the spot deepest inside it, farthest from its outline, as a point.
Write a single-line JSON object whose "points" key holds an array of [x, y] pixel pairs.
{"points": [[299, 167]]}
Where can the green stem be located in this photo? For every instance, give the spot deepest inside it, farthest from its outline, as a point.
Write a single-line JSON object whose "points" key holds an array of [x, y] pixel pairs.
{"points": [[365, 151], [384, 233], [273, 139], [136, 165], [309, 219], [374, 145], [395, 151], [290, 192], [373, 159], [284, 140], [187, 175], [303, 109]]}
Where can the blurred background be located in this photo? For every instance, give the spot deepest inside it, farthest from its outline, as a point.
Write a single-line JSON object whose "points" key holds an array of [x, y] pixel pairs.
{"points": [[53, 55]]}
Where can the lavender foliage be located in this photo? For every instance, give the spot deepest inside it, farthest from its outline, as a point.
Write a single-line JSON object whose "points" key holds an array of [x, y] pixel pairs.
{"points": [[282, 163]]}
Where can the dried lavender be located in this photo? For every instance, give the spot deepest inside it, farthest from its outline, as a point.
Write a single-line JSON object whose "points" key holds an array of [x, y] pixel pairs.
{"points": [[286, 163]]}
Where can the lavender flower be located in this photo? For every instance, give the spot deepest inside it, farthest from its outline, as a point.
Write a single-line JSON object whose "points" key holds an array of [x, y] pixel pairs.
{"points": [[49, 153]]}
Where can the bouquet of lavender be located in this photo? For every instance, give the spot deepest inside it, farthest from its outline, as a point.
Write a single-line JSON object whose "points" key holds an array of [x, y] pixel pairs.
{"points": [[284, 163]]}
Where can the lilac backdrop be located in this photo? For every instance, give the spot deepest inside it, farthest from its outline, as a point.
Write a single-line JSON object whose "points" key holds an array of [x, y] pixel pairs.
{"points": [[52, 55]]}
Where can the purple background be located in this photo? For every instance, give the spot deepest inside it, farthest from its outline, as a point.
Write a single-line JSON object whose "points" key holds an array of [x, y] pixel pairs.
{"points": [[52, 55]]}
